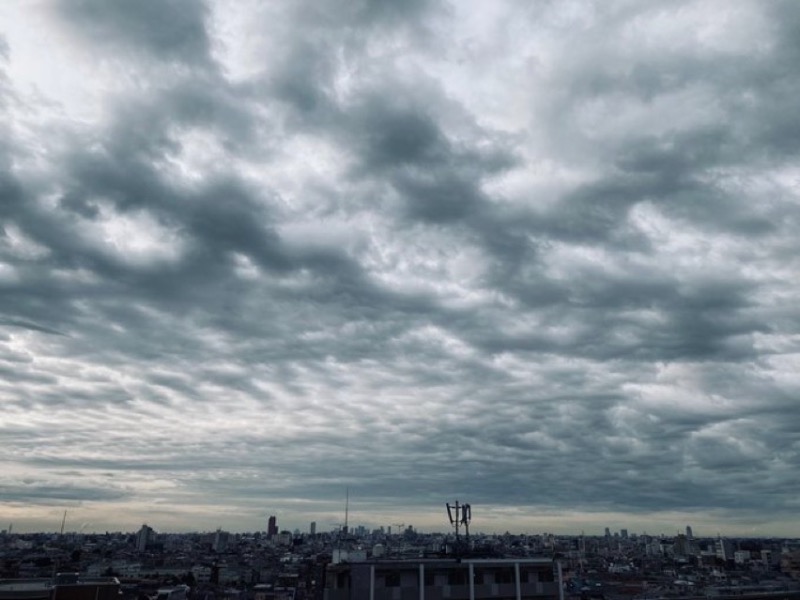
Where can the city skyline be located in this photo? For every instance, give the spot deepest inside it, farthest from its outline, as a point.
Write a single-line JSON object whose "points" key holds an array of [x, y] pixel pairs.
{"points": [[432, 523], [539, 256], [361, 529]]}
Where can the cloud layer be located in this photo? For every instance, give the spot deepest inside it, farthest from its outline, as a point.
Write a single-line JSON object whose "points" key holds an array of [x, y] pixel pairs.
{"points": [[541, 257]]}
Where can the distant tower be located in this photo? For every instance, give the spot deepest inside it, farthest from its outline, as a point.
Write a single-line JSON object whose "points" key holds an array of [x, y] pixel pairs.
{"points": [[689, 535], [681, 546], [272, 527], [144, 536], [582, 550], [312, 529], [723, 548], [346, 509], [220, 541]]}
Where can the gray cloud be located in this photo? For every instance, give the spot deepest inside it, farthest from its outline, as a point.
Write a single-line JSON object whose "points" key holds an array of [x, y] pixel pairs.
{"points": [[160, 29], [406, 250]]}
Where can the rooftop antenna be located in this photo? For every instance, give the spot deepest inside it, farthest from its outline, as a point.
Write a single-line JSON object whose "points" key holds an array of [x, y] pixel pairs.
{"points": [[63, 520], [459, 514], [341, 530], [582, 552]]}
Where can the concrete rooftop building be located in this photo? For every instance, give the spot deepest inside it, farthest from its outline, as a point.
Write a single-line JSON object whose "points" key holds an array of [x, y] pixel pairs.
{"points": [[440, 579]]}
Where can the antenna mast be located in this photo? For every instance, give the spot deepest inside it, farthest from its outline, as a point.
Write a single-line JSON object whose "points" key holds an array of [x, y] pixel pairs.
{"points": [[63, 520], [346, 507], [459, 514]]}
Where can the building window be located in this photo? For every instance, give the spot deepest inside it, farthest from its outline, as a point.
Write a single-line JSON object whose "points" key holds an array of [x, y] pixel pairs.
{"points": [[392, 579], [343, 581], [504, 576], [477, 576], [457, 577]]}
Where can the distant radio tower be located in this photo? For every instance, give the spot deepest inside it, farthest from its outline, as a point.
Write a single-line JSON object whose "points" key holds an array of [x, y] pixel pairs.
{"points": [[63, 520], [346, 507]]}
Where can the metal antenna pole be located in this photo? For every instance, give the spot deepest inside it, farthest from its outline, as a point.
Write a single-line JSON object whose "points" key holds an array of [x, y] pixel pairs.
{"points": [[458, 519], [459, 514], [466, 515]]}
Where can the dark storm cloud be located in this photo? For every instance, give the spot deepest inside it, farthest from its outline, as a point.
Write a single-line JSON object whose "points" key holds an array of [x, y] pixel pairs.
{"points": [[439, 182], [57, 495], [338, 268], [29, 325], [161, 29]]}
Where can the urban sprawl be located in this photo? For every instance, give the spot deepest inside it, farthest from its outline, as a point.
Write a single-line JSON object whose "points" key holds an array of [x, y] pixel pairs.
{"points": [[393, 563]]}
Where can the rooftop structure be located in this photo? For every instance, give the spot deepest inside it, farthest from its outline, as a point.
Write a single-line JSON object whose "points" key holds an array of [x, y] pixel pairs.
{"points": [[436, 579], [65, 586]]}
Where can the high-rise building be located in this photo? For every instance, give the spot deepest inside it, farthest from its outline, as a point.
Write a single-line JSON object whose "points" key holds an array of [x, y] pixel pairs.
{"points": [[220, 541], [723, 549], [272, 527], [623, 533], [689, 532], [144, 536], [681, 545], [312, 529]]}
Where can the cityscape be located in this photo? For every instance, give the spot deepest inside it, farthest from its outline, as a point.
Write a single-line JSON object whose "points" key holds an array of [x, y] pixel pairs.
{"points": [[394, 561], [399, 299]]}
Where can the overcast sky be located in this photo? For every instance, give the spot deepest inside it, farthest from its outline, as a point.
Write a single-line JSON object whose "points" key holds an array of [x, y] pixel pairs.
{"points": [[539, 256]]}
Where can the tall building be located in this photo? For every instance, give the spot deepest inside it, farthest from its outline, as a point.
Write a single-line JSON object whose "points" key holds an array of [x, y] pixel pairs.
{"points": [[689, 535], [312, 529], [623, 533], [220, 541], [681, 545], [272, 527], [723, 549], [144, 536]]}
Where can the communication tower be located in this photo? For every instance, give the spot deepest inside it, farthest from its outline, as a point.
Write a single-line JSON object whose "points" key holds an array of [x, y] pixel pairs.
{"points": [[459, 514]]}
